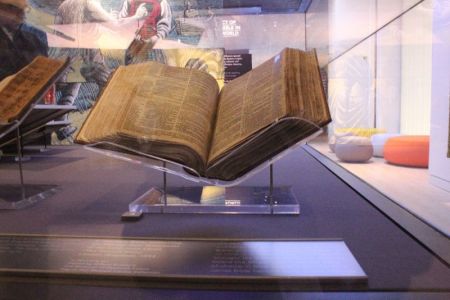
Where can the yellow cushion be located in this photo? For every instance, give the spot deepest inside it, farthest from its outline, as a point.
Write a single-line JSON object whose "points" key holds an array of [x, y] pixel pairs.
{"points": [[364, 132]]}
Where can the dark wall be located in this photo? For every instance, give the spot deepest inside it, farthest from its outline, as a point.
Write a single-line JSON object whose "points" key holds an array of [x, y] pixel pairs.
{"points": [[266, 5]]}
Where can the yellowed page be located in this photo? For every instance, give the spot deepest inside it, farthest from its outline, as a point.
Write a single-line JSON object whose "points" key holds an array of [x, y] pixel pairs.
{"points": [[5, 81], [20, 90], [151, 102], [109, 110], [248, 104], [174, 105]]}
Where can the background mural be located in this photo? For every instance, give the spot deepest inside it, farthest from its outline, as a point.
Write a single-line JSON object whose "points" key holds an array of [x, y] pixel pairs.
{"points": [[100, 35]]}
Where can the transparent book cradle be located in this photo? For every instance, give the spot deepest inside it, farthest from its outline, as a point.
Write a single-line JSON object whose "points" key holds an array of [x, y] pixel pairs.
{"points": [[192, 193], [21, 195]]}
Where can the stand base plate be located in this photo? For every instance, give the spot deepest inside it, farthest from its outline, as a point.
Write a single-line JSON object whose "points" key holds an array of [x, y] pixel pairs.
{"points": [[16, 196], [220, 200]]}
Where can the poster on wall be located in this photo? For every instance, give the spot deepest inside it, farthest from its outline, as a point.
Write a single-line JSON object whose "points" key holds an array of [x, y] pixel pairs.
{"points": [[236, 63], [108, 33]]}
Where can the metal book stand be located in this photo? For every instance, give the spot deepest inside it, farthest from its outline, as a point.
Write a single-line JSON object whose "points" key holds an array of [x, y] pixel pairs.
{"points": [[206, 195]]}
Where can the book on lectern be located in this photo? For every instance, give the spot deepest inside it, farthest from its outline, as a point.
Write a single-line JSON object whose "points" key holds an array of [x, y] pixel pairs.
{"points": [[180, 114], [19, 91]]}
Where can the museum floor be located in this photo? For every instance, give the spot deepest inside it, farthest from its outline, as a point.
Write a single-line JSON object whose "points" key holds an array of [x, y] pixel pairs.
{"points": [[94, 190]]}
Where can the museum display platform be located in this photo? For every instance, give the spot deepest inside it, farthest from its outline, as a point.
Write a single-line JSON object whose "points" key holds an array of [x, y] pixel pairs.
{"points": [[95, 190]]}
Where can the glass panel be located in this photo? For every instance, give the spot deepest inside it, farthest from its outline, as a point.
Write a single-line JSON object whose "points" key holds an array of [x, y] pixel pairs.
{"points": [[387, 75], [336, 26], [378, 68]]}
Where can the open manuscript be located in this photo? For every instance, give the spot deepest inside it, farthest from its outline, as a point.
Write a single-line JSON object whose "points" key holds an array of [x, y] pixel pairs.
{"points": [[19, 91], [180, 115]]}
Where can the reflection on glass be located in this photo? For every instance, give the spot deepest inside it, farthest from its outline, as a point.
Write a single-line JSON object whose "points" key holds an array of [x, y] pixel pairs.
{"points": [[378, 82], [335, 26], [308, 258]]}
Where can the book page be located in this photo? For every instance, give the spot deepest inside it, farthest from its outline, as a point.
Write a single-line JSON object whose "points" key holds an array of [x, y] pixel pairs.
{"points": [[110, 107], [248, 104], [5, 81], [282, 103], [173, 105], [154, 102], [305, 74], [19, 90]]}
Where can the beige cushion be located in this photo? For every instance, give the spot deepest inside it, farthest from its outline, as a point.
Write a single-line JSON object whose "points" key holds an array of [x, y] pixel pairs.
{"points": [[353, 149], [332, 139]]}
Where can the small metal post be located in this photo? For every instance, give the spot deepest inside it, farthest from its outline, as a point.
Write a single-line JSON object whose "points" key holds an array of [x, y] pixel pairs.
{"points": [[19, 156], [164, 187], [270, 196], [45, 140]]}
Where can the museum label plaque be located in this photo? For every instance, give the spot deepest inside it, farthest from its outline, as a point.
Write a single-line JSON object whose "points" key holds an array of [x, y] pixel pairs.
{"points": [[296, 263]]}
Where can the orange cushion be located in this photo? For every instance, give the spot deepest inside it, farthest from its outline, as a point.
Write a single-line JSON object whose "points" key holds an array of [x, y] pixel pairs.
{"points": [[411, 150]]}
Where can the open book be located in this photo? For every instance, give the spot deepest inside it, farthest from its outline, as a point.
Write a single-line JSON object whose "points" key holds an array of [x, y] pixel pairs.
{"points": [[180, 115], [19, 91]]}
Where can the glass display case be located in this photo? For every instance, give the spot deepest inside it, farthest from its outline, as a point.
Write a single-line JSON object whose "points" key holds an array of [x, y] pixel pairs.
{"points": [[373, 185]]}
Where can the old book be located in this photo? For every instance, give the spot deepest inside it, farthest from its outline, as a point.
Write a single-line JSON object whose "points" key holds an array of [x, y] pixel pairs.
{"points": [[180, 115], [19, 91]]}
